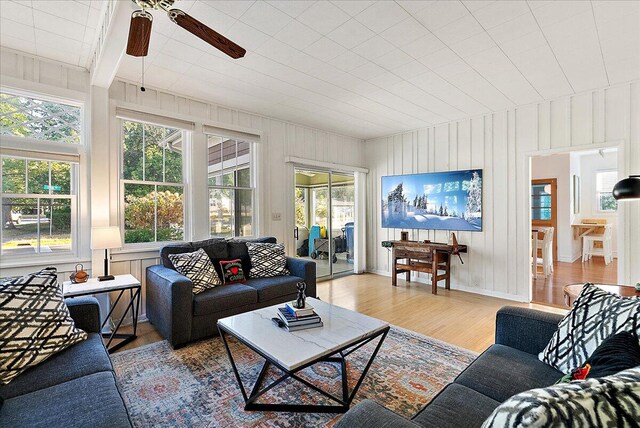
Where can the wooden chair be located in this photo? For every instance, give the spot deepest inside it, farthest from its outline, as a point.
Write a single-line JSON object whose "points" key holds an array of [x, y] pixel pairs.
{"points": [[546, 248], [598, 244]]}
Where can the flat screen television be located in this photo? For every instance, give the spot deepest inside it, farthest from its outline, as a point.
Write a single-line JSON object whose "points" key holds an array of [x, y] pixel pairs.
{"points": [[450, 200]]}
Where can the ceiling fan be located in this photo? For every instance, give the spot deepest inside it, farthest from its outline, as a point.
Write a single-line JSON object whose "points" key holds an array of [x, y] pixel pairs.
{"points": [[140, 29]]}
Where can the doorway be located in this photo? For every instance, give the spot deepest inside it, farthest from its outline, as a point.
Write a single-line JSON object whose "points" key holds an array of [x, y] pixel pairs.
{"points": [[570, 194], [325, 220]]}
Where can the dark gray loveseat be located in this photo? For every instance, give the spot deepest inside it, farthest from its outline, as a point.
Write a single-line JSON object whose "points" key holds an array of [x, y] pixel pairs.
{"points": [[182, 317], [507, 368], [74, 388]]}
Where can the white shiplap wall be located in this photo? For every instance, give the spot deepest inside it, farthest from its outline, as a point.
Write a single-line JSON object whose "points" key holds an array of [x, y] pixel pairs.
{"points": [[500, 144]]}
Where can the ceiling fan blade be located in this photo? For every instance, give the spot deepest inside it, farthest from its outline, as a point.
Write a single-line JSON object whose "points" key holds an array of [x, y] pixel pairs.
{"points": [[210, 36], [139, 33]]}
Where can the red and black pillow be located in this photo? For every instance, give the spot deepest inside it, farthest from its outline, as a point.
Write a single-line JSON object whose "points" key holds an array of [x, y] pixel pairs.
{"points": [[232, 271]]}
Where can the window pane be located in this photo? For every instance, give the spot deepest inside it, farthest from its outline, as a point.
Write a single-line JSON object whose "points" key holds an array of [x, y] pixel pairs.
{"points": [[606, 202], [55, 225], [38, 177], [173, 166], [244, 177], [170, 205], [301, 207], [132, 159], [14, 175], [60, 178], [20, 226], [221, 212], [245, 208], [139, 213], [153, 152], [43, 120], [541, 213], [229, 162]]}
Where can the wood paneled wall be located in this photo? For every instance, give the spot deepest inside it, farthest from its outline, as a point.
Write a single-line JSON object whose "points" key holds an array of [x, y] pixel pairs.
{"points": [[500, 144]]}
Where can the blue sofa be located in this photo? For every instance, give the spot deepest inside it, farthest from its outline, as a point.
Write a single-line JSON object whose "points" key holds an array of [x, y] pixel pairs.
{"points": [[508, 367], [74, 388], [182, 317]]}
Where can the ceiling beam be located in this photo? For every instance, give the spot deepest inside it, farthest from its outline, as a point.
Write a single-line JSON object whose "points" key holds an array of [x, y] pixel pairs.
{"points": [[111, 43]]}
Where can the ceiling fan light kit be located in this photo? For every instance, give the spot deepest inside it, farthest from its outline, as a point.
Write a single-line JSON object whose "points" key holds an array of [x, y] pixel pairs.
{"points": [[141, 21]]}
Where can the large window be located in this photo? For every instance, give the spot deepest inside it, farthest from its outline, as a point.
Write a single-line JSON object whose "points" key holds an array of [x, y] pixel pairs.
{"points": [[153, 189], [231, 188], [38, 191], [605, 180]]}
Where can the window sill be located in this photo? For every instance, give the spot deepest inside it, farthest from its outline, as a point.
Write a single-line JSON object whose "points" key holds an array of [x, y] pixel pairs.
{"points": [[44, 262]]}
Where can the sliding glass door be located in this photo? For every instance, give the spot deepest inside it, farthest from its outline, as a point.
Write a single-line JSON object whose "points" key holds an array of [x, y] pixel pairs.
{"points": [[324, 214]]}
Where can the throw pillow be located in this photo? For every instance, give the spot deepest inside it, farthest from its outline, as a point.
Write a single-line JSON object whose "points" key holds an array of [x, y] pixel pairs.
{"points": [[594, 317], [198, 268], [612, 401], [232, 271], [267, 260], [618, 352], [34, 322]]}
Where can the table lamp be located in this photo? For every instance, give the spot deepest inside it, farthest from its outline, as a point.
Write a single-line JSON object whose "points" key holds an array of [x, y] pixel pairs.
{"points": [[105, 238]]}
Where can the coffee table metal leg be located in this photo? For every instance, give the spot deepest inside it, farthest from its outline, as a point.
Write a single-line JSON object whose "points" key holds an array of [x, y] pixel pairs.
{"points": [[342, 404]]}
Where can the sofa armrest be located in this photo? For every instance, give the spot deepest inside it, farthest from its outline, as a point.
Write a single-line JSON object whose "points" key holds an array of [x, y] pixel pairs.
{"points": [[304, 269], [368, 414], [85, 312], [527, 330], [170, 303]]}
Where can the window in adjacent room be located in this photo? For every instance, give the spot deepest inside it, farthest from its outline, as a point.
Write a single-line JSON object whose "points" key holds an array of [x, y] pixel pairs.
{"points": [[152, 183], [231, 188], [39, 175], [605, 180]]}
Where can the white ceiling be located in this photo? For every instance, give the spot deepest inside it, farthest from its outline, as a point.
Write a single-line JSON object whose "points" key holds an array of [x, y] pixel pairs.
{"points": [[363, 68], [62, 30]]}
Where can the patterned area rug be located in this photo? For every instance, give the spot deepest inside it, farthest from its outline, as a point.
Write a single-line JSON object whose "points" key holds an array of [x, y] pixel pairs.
{"points": [[195, 385]]}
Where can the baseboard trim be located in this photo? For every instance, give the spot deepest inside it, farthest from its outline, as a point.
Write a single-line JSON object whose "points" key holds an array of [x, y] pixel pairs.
{"points": [[483, 292]]}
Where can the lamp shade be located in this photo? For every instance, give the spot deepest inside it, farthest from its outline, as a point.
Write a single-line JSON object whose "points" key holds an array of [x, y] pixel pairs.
{"points": [[629, 188], [103, 238]]}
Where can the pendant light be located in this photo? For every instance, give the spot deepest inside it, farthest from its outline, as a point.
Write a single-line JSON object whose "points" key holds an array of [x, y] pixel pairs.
{"points": [[629, 188]]}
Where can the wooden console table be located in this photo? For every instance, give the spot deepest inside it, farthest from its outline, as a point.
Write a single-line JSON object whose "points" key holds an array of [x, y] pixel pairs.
{"points": [[432, 258]]}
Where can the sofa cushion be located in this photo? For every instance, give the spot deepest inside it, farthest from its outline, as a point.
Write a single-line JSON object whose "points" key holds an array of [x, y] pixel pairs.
{"points": [[611, 401], [198, 268], [89, 401], [79, 360], [173, 249], [238, 250], [223, 297], [216, 248], [232, 271], [501, 372], [273, 288], [456, 406], [267, 260], [35, 324], [595, 315]]}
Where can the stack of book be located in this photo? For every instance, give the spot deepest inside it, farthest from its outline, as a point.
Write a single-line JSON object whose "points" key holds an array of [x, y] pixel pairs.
{"points": [[298, 319]]}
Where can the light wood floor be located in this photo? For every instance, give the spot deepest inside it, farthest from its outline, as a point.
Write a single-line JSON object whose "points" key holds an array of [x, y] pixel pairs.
{"points": [[549, 290], [464, 319]]}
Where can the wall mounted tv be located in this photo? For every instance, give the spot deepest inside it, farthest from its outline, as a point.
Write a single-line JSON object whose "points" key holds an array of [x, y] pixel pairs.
{"points": [[449, 200]]}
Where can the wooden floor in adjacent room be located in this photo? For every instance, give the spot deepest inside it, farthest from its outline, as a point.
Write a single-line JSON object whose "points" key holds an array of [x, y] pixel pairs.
{"points": [[549, 290], [463, 319]]}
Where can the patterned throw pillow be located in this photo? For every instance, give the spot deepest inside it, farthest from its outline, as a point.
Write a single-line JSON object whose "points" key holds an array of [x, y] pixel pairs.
{"points": [[198, 268], [267, 260], [34, 322], [612, 401], [232, 271], [594, 317]]}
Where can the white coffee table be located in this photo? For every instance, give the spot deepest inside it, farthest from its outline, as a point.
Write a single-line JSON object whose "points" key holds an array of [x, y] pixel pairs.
{"points": [[344, 331]]}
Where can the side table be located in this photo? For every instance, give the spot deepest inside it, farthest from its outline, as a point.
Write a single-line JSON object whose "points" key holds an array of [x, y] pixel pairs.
{"points": [[120, 283], [572, 291]]}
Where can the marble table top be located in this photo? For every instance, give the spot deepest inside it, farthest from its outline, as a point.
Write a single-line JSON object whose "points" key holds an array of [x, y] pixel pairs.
{"points": [[93, 286], [292, 350]]}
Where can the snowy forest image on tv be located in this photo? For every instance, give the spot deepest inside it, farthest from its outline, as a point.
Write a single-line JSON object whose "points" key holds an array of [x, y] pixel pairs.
{"points": [[441, 200]]}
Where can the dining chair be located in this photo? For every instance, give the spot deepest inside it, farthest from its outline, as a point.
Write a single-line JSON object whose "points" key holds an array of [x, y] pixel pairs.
{"points": [[589, 247]]}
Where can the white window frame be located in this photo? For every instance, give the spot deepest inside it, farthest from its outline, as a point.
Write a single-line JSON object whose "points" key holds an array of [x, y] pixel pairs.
{"points": [[49, 151], [598, 193], [152, 245], [252, 186]]}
